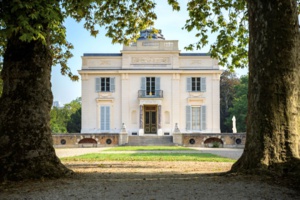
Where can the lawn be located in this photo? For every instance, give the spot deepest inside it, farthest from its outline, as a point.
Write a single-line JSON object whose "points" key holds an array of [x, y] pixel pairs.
{"points": [[149, 148], [201, 157]]}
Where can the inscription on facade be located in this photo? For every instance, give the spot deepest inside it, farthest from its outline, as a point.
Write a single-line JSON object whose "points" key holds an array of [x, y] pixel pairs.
{"points": [[150, 102], [150, 60]]}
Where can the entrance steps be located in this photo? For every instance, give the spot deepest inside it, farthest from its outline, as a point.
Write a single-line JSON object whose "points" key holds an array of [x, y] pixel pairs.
{"points": [[150, 141]]}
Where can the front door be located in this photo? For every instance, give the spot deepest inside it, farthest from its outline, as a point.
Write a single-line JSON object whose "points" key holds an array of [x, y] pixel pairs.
{"points": [[150, 119]]}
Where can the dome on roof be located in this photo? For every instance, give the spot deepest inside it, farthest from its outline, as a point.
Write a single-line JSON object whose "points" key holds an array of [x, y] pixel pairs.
{"points": [[144, 35]]}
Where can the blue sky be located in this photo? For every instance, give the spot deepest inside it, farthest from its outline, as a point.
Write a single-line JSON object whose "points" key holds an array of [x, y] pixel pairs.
{"points": [[171, 23]]}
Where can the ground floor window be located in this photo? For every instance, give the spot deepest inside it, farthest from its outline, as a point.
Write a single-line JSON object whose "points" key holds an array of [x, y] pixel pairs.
{"points": [[104, 118], [196, 118]]}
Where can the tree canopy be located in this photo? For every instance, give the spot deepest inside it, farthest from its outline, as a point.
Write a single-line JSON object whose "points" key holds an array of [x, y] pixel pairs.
{"points": [[66, 119], [43, 20], [1, 82], [228, 83], [239, 105]]}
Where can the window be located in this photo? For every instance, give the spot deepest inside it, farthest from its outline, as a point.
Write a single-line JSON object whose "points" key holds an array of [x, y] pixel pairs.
{"points": [[196, 84], [104, 118], [150, 86], [196, 118], [105, 84]]}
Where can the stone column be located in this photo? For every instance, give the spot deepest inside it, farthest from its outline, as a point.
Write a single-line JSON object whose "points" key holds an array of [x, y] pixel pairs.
{"points": [[141, 130], [159, 132], [159, 116]]}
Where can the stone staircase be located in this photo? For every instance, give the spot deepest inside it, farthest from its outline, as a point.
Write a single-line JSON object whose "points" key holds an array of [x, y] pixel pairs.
{"points": [[150, 141]]}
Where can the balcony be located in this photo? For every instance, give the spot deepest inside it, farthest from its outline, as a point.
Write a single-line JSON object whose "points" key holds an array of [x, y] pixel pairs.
{"points": [[150, 94]]}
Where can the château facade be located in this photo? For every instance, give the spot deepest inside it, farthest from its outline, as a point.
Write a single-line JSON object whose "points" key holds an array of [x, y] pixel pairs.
{"points": [[151, 88]]}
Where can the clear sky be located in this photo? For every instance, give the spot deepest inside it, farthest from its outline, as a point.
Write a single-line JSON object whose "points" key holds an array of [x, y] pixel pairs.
{"points": [[171, 23]]}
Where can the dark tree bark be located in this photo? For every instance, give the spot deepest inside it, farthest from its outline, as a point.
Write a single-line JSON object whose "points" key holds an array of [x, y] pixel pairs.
{"points": [[26, 149], [273, 97]]}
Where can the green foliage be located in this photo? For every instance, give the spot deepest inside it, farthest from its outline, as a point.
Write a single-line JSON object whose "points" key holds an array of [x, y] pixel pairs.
{"points": [[228, 20], [1, 82], [43, 20], [200, 157], [74, 124], [228, 81], [216, 145], [240, 106], [66, 119]]}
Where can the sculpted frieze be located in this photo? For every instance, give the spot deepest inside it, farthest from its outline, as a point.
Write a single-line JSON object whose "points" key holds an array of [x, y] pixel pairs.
{"points": [[150, 60]]}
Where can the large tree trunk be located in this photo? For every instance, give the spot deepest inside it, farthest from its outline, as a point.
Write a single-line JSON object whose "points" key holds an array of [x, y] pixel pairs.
{"points": [[273, 98], [26, 149]]}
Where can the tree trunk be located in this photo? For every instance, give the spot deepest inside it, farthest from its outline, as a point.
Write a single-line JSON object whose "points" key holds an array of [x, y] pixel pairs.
{"points": [[273, 97], [25, 135]]}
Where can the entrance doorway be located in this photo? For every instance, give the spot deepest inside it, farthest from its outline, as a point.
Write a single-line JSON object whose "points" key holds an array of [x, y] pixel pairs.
{"points": [[150, 125]]}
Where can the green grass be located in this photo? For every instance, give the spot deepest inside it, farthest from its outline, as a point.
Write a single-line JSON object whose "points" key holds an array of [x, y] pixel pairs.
{"points": [[148, 148], [202, 157]]}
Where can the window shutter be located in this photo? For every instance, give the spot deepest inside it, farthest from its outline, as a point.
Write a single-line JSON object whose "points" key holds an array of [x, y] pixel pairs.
{"points": [[157, 86], [98, 84], [203, 118], [107, 118], [102, 118], [112, 84], [157, 83], [143, 83], [189, 84], [188, 118], [203, 84]]}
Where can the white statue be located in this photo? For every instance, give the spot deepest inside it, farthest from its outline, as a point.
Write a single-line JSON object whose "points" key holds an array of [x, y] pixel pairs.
{"points": [[234, 124]]}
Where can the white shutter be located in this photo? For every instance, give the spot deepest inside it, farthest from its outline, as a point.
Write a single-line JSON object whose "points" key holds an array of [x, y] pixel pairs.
{"points": [[189, 84], [203, 118], [188, 118], [98, 84], [112, 84], [203, 84]]}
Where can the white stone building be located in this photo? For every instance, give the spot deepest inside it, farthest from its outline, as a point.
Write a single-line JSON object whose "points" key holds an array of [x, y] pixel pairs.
{"points": [[150, 86]]}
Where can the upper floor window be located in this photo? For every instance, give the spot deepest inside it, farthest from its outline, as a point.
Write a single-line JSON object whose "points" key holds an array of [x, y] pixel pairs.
{"points": [[196, 84], [105, 84], [150, 85]]}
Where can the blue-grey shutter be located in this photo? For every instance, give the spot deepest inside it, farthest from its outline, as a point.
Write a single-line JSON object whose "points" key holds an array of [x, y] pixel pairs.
{"points": [[102, 118], [107, 118], [143, 83], [203, 117], [98, 84], [157, 83], [188, 117], [203, 84], [112, 84], [189, 84], [143, 86], [157, 86]]}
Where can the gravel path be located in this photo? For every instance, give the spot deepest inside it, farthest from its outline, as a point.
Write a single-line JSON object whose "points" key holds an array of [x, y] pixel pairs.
{"points": [[113, 180]]}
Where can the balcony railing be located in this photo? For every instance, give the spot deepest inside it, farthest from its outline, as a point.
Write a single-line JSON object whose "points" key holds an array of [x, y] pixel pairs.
{"points": [[150, 94]]}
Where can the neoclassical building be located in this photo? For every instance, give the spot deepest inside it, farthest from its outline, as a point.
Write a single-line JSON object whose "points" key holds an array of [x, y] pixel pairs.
{"points": [[150, 87]]}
